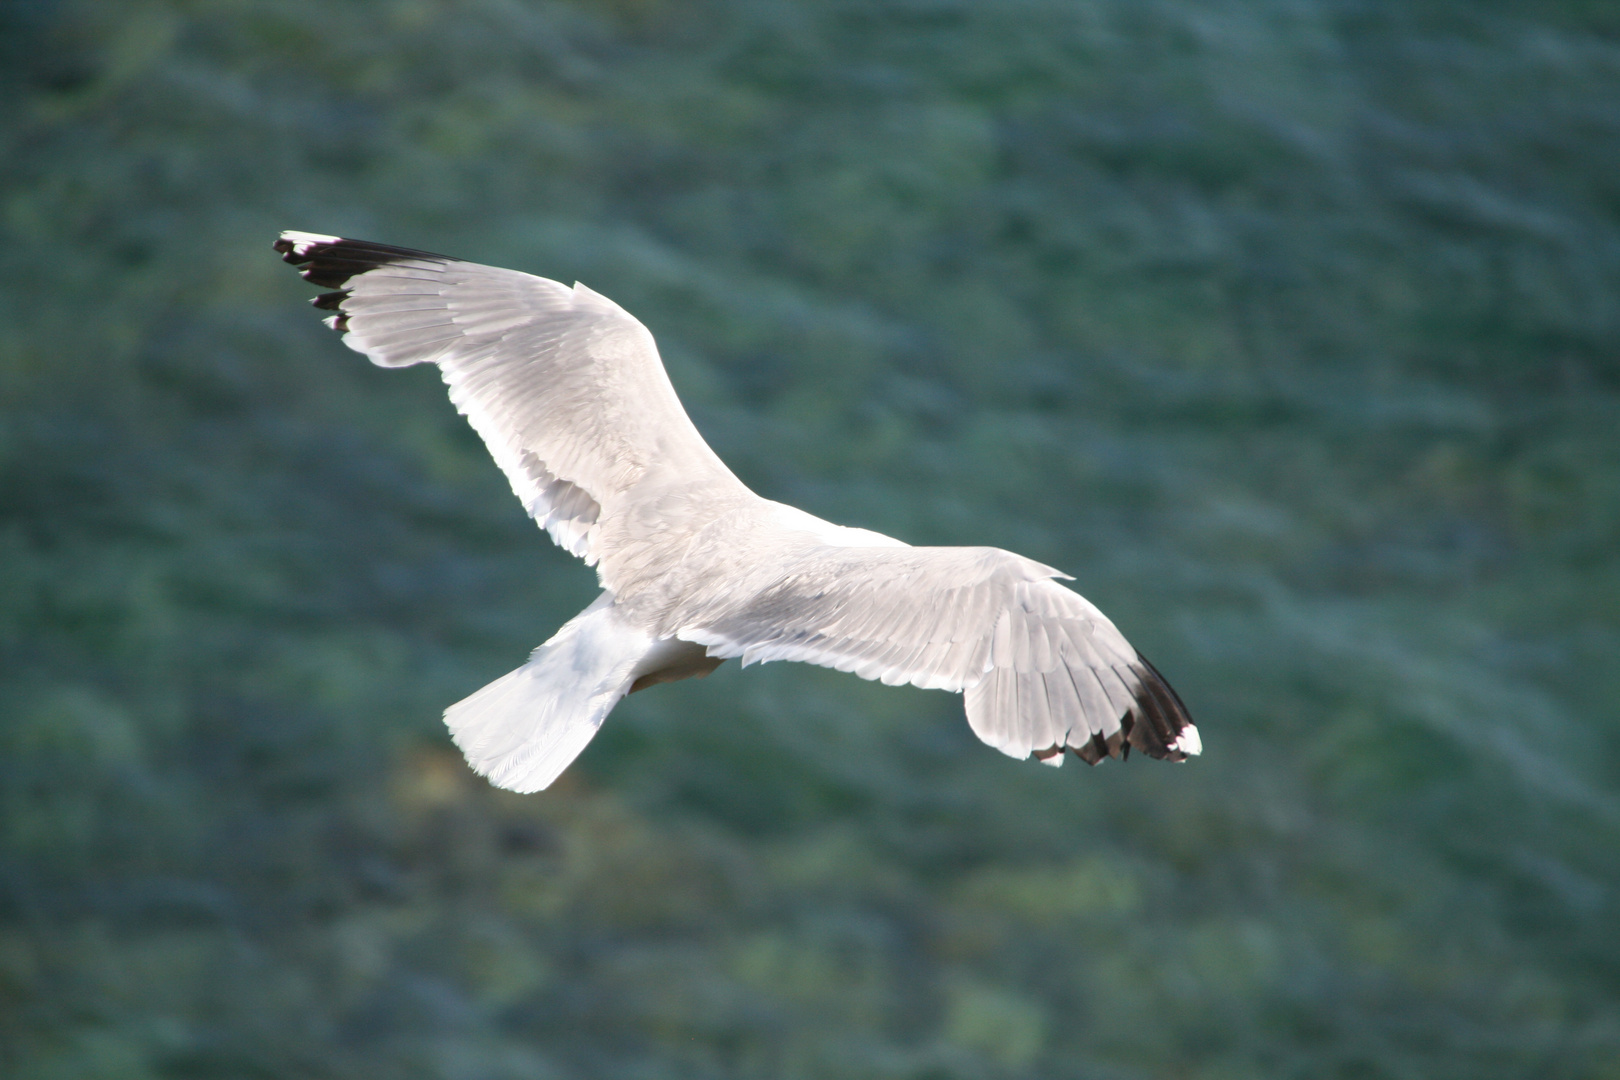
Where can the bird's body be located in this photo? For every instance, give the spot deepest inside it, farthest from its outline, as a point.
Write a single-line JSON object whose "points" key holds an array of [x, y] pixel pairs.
{"points": [[568, 392]]}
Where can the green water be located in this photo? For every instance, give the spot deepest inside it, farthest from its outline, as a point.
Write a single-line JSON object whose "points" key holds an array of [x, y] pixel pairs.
{"points": [[1290, 329]]}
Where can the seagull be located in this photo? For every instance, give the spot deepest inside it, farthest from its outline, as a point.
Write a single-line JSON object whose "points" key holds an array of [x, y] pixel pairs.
{"points": [[567, 390]]}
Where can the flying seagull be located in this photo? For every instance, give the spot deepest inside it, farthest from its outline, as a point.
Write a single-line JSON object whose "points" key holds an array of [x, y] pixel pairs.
{"points": [[567, 391]]}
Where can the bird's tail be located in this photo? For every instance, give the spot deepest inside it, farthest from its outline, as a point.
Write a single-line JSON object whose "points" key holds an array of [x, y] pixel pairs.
{"points": [[523, 729]]}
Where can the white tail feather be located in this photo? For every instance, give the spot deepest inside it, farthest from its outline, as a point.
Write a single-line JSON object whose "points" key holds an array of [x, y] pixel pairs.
{"points": [[523, 729]]}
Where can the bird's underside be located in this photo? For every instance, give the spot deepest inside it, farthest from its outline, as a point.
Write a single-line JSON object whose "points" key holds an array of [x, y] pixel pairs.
{"points": [[568, 392]]}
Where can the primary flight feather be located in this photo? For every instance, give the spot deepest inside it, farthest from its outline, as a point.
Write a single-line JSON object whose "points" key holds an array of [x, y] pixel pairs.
{"points": [[569, 394]]}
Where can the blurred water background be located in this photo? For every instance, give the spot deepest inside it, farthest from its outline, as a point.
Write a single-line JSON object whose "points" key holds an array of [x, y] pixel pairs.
{"points": [[1291, 328]]}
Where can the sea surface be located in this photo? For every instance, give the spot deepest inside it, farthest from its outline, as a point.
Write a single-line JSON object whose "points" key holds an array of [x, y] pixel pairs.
{"points": [[1289, 328]]}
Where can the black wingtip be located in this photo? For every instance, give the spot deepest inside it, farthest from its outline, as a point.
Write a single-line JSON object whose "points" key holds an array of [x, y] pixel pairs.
{"points": [[330, 261], [1158, 723]]}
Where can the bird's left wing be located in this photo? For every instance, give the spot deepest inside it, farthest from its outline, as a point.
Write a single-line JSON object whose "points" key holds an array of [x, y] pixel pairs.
{"points": [[1042, 669]]}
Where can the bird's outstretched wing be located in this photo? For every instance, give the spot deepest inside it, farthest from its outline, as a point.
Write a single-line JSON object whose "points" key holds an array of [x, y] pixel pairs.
{"points": [[1042, 669], [565, 387]]}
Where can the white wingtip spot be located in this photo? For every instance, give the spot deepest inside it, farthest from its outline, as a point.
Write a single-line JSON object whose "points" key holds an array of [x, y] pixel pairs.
{"points": [[1188, 742], [303, 241]]}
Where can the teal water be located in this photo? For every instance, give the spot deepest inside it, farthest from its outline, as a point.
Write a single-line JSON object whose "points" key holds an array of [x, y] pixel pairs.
{"points": [[1290, 329]]}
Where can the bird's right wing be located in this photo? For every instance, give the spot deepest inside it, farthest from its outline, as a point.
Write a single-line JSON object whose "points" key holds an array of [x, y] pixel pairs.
{"points": [[565, 387], [1042, 669]]}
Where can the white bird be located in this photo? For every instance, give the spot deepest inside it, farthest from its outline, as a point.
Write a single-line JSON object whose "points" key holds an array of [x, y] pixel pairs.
{"points": [[569, 394]]}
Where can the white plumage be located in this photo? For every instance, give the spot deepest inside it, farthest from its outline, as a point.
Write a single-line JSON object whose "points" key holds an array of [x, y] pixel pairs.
{"points": [[568, 392]]}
